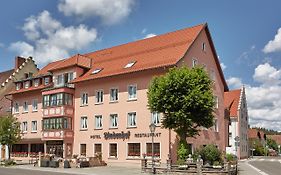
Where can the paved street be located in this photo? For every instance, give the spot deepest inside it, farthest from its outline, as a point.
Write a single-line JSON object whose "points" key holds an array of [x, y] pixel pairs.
{"points": [[267, 165], [11, 171]]}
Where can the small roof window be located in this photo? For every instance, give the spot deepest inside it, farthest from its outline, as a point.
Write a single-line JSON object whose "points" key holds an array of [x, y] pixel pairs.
{"points": [[97, 70], [130, 64]]}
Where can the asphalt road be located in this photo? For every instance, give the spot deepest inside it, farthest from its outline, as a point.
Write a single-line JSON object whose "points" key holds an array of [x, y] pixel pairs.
{"points": [[10, 171], [269, 166]]}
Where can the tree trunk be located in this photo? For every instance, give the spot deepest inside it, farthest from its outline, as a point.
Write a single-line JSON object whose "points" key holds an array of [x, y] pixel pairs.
{"points": [[9, 151]]}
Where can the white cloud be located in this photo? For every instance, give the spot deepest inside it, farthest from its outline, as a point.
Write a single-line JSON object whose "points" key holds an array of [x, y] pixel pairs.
{"points": [[110, 11], [143, 31], [50, 40], [267, 75], [2, 45], [150, 35], [234, 82], [274, 45], [223, 66]]}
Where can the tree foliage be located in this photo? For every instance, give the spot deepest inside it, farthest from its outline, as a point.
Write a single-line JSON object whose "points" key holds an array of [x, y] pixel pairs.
{"points": [[185, 98], [209, 154], [272, 144], [9, 131]]}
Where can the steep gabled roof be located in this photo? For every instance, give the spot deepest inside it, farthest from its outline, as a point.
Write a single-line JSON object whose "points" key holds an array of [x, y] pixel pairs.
{"points": [[231, 101], [159, 51], [5, 75], [45, 70]]}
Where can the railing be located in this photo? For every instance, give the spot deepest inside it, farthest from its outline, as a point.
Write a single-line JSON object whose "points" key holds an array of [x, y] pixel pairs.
{"points": [[24, 154]]}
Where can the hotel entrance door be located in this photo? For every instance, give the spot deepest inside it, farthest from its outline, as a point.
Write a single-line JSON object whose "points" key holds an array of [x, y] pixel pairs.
{"points": [[55, 147]]}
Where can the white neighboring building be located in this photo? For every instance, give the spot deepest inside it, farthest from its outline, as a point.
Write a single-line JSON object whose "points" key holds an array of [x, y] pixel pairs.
{"points": [[235, 101]]}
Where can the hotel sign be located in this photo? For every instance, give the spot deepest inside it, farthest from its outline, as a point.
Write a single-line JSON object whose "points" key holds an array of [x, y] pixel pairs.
{"points": [[117, 135], [141, 135]]}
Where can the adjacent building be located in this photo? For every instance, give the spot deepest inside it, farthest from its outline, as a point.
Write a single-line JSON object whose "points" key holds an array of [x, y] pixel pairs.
{"points": [[235, 101], [97, 102], [23, 67]]}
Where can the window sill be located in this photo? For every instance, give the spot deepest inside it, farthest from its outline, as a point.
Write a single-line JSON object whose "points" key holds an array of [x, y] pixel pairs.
{"points": [[132, 99], [113, 128], [16, 112], [100, 103], [98, 129], [131, 127], [133, 158], [113, 158], [33, 131], [84, 129], [113, 102], [24, 112], [35, 111], [24, 132], [84, 105]]}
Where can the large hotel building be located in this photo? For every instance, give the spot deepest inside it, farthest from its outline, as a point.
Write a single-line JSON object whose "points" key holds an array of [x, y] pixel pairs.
{"points": [[97, 102]]}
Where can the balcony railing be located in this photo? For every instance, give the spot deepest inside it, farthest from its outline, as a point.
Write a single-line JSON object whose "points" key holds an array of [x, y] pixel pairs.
{"points": [[58, 111], [57, 134]]}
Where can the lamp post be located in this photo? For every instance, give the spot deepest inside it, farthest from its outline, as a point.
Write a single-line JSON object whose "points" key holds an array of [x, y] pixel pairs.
{"points": [[152, 128]]}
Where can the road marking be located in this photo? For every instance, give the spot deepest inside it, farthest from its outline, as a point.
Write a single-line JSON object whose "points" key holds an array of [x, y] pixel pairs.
{"points": [[258, 170]]}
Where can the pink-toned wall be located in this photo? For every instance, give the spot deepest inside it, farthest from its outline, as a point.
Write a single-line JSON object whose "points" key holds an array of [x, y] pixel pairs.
{"points": [[123, 106]]}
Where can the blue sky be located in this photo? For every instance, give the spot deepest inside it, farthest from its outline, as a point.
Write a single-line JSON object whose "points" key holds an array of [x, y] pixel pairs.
{"points": [[245, 34]]}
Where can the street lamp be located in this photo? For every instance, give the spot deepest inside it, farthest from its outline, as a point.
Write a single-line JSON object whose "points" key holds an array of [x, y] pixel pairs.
{"points": [[152, 128]]}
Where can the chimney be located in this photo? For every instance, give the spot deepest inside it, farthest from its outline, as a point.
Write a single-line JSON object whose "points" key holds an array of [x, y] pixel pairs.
{"points": [[18, 62]]}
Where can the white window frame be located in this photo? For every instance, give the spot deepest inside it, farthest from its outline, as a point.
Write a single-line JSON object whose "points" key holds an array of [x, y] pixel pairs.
{"points": [[99, 99], [204, 46], [46, 80], [83, 123], [110, 157], [216, 125], [153, 118], [127, 150], [110, 94], [24, 127], [58, 83], [94, 149], [18, 86], [34, 126], [16, 108], [84, 99], [154, 153], [130, 120], [194, 62], [25, 106], [26, 84], [111, 120], [132, 96], [36, 82], [34, 105], [216, 99], [70, 78], [98, 126]]}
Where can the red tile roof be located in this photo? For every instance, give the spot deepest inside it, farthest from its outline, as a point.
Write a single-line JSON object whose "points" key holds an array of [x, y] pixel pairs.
{"points": [[231, 101], [277, 138], [45, 70], [253, 133], [33, 88], [5, 75]]}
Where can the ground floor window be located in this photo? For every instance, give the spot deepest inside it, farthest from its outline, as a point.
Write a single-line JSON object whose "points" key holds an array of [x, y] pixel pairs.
{"points": [[19, 150], [36, 148], [97, 148], [83, 149], [134, 149], [156, 149], [55, 147], [113, 150]]}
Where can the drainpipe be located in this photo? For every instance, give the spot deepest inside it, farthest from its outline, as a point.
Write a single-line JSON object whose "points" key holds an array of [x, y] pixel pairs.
{"points": [[11, 112]]}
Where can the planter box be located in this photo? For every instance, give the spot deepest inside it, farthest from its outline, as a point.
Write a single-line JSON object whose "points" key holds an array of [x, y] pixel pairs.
{"points": [[84, 164], [54, 164], [44, 163]]}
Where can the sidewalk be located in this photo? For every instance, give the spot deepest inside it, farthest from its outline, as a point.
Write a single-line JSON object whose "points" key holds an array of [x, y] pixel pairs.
{"points": [[246, 169], [105, 170]]}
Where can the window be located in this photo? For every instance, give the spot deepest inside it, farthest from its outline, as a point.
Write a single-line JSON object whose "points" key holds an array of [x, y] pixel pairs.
{"points": [[132, 92], [46, 80], [24, 127], [131, 120], [216, 100], [16, 107], [84, 99], [97, 70], [35, 105], [25, 106], [84, 123], [98, 121], [113, 94], [53, 100], [216, 125], [99, 96], [97, 148], [26, 84], [113, 120], [57, 123], [134, 149], [113, 150], [156, 149], [57, 99], [60, 80], [194, 62], [83, 149], [70, 76], [155, 118], [18, 86], [36, 82], [204, 46], [34, 126], [130, 64]]}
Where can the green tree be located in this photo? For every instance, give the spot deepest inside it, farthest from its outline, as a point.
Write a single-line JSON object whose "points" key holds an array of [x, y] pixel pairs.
{"points": [[185, 98], [9, 131], [272, 144]]}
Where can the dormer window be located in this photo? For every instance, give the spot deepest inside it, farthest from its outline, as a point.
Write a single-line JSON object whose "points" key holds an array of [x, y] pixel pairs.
{"points": [[36, 82], [18, 86], [26, 84], [97, 70], [46, 80], [130, 64]]}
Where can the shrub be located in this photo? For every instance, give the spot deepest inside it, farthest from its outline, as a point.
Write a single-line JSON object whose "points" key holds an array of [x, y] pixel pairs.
{"points": [[182, 152], [209, 154], [9, 162], [230, 157]]}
